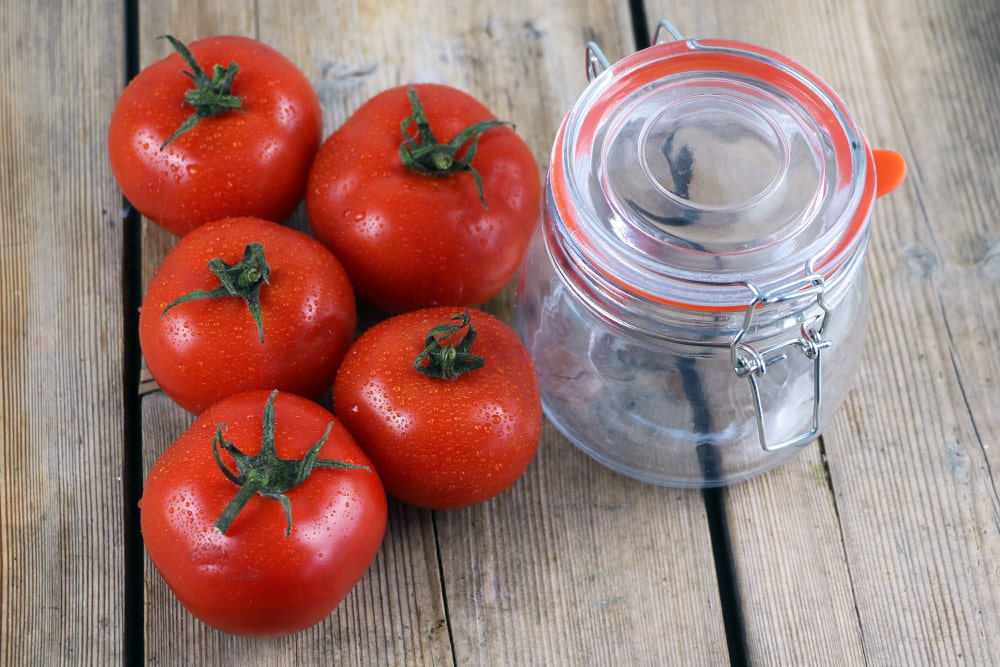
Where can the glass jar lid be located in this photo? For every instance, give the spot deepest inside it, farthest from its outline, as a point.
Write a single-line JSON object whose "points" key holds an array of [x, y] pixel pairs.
{"points": [[692, 167]]}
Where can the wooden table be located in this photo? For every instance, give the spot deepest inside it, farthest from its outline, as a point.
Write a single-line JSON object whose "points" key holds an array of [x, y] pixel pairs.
{"points": [[878, 545]]}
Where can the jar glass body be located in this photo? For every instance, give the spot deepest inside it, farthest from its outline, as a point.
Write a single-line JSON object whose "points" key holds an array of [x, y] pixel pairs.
{"points": [[657, 397], [695, 300]]}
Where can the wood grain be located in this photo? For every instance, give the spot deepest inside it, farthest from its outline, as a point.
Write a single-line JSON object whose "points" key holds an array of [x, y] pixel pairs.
{"points": [[879, 545], [582, 566], [61, 394], [934, 532], [497, 584], [877, 539], [372, 626]]}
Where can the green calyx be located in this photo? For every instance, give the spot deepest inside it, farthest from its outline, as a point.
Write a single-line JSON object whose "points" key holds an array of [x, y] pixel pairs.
{"points": [[443, 356], [421, 152], [242, 280], [265, 473], [210, 96]]}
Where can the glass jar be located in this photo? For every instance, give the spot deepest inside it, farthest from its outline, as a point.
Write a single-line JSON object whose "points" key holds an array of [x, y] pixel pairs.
{"points": [[695, 299]]}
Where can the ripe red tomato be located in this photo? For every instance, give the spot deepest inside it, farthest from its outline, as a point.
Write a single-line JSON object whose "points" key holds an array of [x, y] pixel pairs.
{"points": [[410, 240], [249, 160], [250, 578], [202, 350], [441, 443]]}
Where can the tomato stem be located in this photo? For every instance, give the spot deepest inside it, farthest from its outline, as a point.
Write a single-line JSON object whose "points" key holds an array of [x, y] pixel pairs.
{"points": [[210, 96], [243, 280], [265, 473], [421, 152], [445, 358]]}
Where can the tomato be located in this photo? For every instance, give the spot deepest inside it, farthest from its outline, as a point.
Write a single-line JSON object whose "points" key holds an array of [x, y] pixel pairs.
{"points": [[252, 159], [441, 443], [409, 239], [254, 569], [204, 349]]}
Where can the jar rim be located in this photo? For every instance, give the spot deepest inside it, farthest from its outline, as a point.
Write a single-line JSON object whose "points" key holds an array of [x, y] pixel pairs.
{"points": [[710, 80]]}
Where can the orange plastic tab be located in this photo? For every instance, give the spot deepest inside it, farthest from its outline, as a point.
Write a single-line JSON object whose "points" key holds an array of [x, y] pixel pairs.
{"points": [[890, 170]]}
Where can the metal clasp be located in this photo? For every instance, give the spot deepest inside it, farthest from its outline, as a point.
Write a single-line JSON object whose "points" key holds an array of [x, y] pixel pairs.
{"points": [[597, 62], [666, 32], [752, 363]]}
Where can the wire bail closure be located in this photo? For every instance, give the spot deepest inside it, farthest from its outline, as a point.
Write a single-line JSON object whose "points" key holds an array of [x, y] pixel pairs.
{"points": [[597, 62], [752, 363]]}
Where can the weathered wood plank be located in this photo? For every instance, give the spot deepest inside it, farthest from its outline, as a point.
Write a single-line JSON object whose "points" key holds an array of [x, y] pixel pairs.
{"points": [[394, 615], [926, 519], [374, 624], [792, 578], [61, 327], [575, 565], [574, 560], [895, 561], [578, 565]]}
